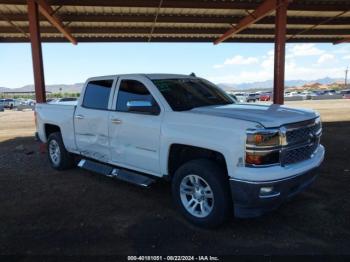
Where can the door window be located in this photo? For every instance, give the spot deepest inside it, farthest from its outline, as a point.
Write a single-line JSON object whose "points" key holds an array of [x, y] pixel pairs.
{"points": [[132, 90], [97, 94]]}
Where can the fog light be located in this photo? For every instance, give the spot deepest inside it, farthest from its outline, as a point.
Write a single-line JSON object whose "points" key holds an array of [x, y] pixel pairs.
{"points": [[266, 190]]}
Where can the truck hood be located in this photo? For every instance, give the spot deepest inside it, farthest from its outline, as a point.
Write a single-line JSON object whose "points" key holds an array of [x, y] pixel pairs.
{"points": [[266, 115]]}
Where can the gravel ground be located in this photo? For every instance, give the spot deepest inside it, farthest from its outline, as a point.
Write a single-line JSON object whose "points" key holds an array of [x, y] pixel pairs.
{"points": [[75, 212]]}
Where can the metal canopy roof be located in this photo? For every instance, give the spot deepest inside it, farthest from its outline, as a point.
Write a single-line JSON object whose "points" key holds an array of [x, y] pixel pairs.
{"points": [[176, 21]]}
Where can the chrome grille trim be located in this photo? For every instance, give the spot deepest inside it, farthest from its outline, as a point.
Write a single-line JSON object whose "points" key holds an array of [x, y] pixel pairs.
{"points": [[297, 135], [301, 142]]}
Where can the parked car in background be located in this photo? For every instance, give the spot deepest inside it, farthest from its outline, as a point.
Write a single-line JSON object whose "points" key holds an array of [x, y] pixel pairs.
{"points": [[290, 94], [25, 104], [30, 102], [265, 97], [10, 103], [50, 100], [320, 93], [61, 100], [67, 99], [5, 103], [1, 105], [306, 94], [345, 94], [331, 92], [241, 97], [252, 97], [313, 93], [221, 158]]}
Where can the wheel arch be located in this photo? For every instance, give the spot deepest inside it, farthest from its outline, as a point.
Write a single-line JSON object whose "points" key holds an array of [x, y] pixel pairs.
{"points": [[50, 128], [179, 154]]}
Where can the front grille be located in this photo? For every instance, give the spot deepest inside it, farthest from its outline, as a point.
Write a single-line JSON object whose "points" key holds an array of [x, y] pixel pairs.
{"points": [[295, 155], [301, 142], [302, 134]]}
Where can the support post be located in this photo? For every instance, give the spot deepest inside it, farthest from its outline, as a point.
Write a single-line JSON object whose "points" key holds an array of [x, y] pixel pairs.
{"points": [[280, 47], [35, 40]]}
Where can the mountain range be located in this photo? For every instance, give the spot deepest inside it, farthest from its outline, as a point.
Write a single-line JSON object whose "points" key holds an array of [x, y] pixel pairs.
{"points": [[269, 84], [76, 88], [60, 88]]}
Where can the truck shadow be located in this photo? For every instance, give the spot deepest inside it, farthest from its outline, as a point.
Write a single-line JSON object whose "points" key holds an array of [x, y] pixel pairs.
{"points": [[44, 211]]}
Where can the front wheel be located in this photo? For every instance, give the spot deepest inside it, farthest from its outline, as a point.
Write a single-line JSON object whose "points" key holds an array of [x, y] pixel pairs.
{"points": [[200, 191], [59, 157]]}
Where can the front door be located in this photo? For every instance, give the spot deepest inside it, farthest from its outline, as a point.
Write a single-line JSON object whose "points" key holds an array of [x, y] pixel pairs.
{"points": [[135, 136]]}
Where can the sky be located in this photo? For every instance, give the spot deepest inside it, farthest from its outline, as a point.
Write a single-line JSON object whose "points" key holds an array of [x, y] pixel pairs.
{"points": [[65, 63]]}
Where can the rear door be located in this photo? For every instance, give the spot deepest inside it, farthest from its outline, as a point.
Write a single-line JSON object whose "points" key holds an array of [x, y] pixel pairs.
{"points": [[91, 119], [135, 136]]}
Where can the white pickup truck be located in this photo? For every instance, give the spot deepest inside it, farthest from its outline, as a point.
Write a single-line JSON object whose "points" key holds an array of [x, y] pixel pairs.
{"points": [[221, 157]]}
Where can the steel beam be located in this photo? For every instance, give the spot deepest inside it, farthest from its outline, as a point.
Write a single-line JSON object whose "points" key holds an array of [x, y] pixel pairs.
{"points": [[164, 18], [165, 39], [155, 20], [37, 57], [327, 6], [341, 41], [96, 30], [316, 25], [13, 25], [263, 10], [280, 47], [47, 11]]}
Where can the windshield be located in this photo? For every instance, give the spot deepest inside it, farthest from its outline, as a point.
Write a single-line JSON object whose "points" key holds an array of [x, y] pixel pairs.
{"points": [[185, 93]]}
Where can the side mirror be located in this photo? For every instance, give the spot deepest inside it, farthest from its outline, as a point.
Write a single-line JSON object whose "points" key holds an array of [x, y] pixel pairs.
{"points": [[145, 107]]}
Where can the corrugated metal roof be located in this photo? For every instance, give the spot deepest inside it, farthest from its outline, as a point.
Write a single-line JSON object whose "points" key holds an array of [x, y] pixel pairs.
{"points": [[177, 21]]}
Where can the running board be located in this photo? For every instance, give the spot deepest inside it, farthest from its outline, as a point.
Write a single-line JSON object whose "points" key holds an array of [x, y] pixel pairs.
{"points": [[120, 173]]}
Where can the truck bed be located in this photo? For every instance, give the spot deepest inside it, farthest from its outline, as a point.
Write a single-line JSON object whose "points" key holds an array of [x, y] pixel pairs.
{"points": [[59, 114]]}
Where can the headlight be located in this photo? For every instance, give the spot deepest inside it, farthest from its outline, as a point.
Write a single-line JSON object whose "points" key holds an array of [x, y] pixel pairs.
{"points": [[262, 147], [264, 138], [260, 158]]}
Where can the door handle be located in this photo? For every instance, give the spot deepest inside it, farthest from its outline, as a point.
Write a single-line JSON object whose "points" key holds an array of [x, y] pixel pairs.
{"points": [[79, 117], [116, 121]]}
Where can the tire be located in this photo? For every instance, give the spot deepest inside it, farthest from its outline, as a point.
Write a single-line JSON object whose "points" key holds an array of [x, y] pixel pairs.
{"points": [[207, 212], [59, 157]]}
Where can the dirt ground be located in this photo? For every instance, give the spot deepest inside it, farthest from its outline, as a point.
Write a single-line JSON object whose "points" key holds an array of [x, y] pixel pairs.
{"points": [[330, 110], [75, 212]]}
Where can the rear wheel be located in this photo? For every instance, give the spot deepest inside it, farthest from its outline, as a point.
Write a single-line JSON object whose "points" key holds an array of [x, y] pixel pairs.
{"points": [[59, 157], [200, 191]]}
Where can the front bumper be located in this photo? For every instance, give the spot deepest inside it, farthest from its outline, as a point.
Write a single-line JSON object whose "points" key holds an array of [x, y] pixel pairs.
{"points": [[250, 201]]}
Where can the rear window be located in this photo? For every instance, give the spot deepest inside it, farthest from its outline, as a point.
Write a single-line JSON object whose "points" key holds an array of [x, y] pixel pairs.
{"points": [[97, 94]]}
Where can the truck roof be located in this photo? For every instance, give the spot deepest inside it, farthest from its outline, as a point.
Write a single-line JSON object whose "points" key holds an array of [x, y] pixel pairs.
{"points": [[167, 76], [150, 76]]}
